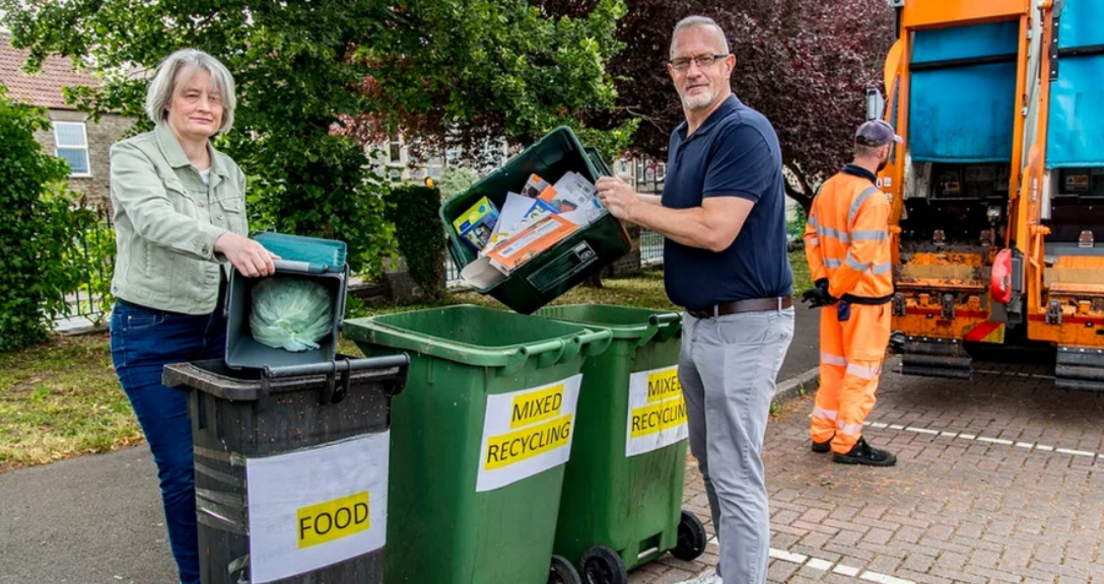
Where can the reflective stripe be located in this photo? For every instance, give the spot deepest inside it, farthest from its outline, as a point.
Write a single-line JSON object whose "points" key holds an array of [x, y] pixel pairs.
{"points": [[814, 241], [828, 414], [881, 269], [869, 192], [832, 263], [833, 359], [854, 264], [863, 371], [852, 429], [869, 235], [829, 232]]}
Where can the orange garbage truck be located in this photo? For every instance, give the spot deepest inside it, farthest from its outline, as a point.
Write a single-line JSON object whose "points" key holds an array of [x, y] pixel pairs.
{"points": [[997, 192]]}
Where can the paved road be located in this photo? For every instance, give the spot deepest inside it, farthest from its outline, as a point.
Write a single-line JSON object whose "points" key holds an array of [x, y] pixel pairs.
{"points": [[1000, 479], [91, 520]]}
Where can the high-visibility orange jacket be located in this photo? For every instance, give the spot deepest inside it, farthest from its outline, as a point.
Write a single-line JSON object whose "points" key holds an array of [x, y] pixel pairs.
{"points": [[847, 239]]}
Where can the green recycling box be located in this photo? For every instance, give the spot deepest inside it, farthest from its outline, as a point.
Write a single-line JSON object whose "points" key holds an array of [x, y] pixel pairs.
{"points": [[622, 497], [567, 263], [479, 439]]}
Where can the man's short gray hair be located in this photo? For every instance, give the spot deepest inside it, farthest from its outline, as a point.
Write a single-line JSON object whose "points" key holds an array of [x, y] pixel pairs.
{"points": [[160, 91], [698, 22]]}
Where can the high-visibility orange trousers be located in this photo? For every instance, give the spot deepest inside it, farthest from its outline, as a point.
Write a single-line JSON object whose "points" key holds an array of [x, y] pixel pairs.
{"points": [[851, 357]]}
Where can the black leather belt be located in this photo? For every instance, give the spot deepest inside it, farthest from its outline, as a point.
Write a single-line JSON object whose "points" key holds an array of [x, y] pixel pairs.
{"points": [[751, 305]]}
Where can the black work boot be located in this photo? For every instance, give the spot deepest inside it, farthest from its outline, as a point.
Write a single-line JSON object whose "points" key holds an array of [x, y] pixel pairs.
{"points": [[822, 447], [863, 453]]}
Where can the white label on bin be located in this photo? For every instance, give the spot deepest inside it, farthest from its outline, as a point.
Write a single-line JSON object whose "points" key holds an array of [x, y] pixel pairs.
{"points": [[315, 507], [526, 433], [657, 411]]}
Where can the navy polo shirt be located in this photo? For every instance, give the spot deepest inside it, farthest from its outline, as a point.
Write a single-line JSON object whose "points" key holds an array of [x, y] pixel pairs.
{"points": [[735, 153]]}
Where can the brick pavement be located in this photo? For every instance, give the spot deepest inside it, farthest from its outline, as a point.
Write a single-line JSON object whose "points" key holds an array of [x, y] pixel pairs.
{"points": [[997, 481]]}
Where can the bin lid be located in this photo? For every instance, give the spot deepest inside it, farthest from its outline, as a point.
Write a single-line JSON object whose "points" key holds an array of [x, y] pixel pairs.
{"points": [[625, 322], [478, 336], [213, 377], [328, 254]]}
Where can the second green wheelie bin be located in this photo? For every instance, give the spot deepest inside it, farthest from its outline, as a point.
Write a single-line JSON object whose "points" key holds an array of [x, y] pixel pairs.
{"points": [[622, 498], [479, 439]]}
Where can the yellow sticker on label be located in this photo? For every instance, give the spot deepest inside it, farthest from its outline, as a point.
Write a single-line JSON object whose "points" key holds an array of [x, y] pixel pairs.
{"points": [[537, 406], [332, 520], [658, 417], [663, 385], [515, 447]]}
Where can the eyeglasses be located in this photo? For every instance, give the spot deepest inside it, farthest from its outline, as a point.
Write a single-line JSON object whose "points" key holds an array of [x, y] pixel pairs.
{"points": [[683, 63]]}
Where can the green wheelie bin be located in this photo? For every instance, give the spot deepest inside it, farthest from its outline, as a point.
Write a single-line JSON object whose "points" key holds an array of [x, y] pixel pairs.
{"points": [[479, 439], [622, 498]]}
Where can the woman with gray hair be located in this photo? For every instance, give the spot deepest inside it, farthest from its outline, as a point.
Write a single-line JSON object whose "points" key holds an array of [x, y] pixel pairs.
{"points": [[180, 224]]}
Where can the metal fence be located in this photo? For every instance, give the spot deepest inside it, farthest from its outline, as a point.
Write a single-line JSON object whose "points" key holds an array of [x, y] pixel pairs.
{"points": [[452, 274], [651, 248], [92, 256]]}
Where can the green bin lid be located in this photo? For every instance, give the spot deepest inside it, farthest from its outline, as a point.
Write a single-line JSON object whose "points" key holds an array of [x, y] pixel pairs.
{"points": [[478, 336], [625, 322]]}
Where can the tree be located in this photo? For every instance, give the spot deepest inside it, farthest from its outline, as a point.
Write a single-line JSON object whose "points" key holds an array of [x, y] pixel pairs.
{"points": [[805, 64], [315, 79], [455, 181], [472, 73]]}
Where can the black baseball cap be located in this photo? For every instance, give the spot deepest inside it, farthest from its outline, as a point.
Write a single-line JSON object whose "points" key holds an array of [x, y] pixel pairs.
{"points": [[876, 133]]}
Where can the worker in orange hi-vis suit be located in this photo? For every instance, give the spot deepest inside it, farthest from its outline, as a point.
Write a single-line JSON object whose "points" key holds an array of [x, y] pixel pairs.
{"points": [[848, 248]]}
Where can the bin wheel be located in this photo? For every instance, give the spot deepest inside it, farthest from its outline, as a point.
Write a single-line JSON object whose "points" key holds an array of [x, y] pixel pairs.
{"points": [[691, 538], [562, 572], [602, 565]]}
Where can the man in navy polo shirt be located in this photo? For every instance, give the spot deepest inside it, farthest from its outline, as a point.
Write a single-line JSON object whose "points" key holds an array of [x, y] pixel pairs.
{"points": [[723, 215]]}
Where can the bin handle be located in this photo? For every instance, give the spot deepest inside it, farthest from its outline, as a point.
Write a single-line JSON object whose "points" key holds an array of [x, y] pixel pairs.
{"points": [[337, 374], [656, 324], [595, 342], [668, 324], [400, 360], [552, 357]]}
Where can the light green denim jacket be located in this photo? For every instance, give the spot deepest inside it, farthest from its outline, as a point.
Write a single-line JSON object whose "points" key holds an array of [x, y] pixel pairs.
{"points": [[167, 221]]}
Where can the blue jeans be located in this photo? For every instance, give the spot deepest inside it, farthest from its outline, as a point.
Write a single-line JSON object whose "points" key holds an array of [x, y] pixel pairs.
{"points": [[144, 340]]}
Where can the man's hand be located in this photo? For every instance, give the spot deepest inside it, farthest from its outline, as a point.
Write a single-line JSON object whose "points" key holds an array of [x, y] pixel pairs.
{"points": [[248, 256], [617, 196], [818, 295]]}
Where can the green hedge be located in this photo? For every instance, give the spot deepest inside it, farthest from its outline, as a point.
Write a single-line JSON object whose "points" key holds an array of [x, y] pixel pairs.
{"points": [[39, 229], [421, 237]]}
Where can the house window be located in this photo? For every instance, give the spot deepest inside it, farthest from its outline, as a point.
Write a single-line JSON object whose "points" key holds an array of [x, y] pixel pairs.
{"points": [[623, 167], [453, 157], [395, 151], [72, 145], [640, 170], [661, 172]]}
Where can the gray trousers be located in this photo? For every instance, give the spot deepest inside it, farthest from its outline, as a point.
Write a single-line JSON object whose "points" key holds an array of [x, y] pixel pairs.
{"points": [[727, 370]]}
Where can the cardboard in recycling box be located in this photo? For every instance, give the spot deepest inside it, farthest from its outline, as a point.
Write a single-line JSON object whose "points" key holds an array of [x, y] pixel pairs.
{"points": [[555, 256]]}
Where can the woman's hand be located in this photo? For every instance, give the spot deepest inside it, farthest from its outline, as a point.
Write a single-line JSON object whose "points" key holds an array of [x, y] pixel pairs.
{"points": [[248, 256]]}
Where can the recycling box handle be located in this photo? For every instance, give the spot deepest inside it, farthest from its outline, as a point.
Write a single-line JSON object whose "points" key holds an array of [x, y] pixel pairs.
{"points": [[299, 267]]}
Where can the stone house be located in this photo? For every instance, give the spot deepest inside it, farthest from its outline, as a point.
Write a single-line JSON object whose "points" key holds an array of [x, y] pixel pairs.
{"points": [[83, 144]]}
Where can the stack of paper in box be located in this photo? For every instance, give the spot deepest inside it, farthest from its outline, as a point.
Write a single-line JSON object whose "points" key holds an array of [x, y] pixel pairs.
{"points": [[527, 225]]}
